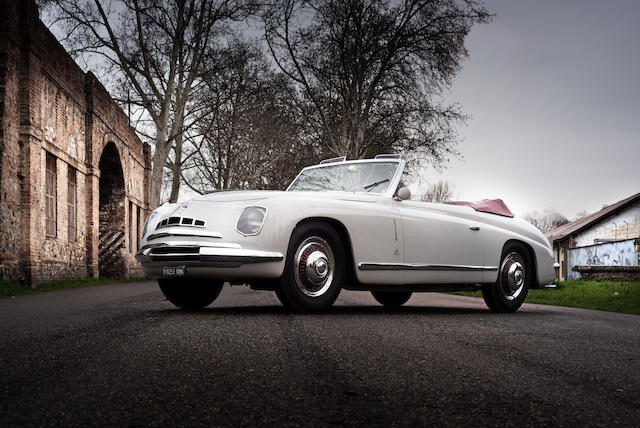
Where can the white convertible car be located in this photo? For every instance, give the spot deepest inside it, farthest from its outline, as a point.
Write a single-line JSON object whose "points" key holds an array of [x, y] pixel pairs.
{"points": [[342, 224]]}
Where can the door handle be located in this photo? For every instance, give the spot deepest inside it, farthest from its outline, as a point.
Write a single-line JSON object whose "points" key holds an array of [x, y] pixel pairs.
{"points": [[474, 227]]}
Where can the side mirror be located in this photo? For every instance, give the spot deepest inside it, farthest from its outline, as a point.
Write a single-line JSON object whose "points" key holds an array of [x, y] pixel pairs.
{"points": [[403, 194]]}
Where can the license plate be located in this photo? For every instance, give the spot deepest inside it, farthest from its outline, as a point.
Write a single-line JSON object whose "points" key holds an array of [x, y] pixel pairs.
{"points": [[173, 271]]}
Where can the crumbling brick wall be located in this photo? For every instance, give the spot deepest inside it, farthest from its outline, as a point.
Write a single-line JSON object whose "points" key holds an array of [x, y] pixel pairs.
{"points": [[609, 273], [50, 107], [12, 250]]}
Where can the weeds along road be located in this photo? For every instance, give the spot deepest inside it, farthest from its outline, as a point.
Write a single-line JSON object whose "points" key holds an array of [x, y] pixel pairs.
{"points": [[121, 355]]}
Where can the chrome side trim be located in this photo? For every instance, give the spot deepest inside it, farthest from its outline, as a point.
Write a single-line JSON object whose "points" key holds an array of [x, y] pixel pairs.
{"points": [[419, 266]]}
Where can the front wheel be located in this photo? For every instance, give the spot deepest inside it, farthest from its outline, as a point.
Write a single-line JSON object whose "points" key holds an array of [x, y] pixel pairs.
{"points": [[392, 299], [190, 294], [283, 299], [508, 293], [314, 269]]}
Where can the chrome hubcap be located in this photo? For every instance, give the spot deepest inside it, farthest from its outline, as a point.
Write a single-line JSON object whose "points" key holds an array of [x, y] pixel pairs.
{"points": [[516, 276], [317, 266], [314, 266], [512, 276]]}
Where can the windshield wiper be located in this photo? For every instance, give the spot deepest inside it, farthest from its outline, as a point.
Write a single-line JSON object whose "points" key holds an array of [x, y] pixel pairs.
{"points": [[371, 186]]}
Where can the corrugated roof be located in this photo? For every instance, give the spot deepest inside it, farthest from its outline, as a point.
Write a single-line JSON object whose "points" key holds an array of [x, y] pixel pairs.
{"points": [[565, 230]]}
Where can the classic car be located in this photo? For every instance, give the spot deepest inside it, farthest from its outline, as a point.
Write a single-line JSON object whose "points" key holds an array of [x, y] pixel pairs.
{"points": [[342, 224]]}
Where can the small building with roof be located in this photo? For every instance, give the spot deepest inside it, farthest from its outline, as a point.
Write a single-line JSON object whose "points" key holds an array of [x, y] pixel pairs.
{"points": [[603, 245]]}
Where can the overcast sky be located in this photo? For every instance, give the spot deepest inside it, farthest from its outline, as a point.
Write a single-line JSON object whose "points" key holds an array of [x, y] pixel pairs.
{"points": [[553, 88], [553, 91]]}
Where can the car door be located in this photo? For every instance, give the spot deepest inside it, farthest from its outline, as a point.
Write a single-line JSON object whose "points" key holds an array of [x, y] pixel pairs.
{"points": [[375, 231], [442, 243]]}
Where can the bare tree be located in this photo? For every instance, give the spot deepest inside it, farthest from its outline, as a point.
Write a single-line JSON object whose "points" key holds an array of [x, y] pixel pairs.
{"points": [[156, 49], [371, 71], [546, 221], [581, 214], [251, 136], [439, 192]]}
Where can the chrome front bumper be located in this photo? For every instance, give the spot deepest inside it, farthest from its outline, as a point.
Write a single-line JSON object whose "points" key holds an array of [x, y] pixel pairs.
{"points": [[204, 254]]}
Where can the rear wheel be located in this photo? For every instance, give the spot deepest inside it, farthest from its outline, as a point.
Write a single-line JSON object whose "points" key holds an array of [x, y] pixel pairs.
{"points": [[392, 299], [514, 277], [190, 294], [314, 269]]}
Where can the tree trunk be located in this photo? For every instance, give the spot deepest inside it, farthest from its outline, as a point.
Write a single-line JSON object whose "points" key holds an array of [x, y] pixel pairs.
{"points": [[177, 166], [159, 158], [359, 140]]}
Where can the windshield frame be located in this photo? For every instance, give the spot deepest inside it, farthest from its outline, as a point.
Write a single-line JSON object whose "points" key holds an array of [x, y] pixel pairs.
{"points": [[393, 185]]}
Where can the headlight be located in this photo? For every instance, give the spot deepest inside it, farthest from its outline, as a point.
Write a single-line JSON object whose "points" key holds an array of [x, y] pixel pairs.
{"points": [[251, 220]]}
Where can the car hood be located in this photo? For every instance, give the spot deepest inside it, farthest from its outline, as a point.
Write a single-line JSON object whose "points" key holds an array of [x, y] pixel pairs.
{"points": [[220, 210]]}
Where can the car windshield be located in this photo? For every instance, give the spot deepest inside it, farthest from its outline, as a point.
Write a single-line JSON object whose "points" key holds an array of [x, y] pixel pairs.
{"points": [[373, 177]]}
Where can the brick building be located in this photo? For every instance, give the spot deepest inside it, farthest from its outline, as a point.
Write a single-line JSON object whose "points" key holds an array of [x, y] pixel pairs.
{"points": [[74, 177]]}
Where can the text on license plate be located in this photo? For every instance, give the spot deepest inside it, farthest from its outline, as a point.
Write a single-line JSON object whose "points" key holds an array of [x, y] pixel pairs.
{"points": [[173, 271]]}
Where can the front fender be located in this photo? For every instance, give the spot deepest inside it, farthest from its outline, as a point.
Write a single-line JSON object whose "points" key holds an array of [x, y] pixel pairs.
{"points": [[518, 230]]}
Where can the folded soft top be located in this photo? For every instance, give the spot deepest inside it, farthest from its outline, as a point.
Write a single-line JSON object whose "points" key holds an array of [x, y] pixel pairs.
{"points": [[491, 206]]}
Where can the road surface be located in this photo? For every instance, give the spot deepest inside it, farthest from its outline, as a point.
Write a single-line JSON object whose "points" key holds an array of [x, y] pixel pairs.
{"points": [[122, 355]]}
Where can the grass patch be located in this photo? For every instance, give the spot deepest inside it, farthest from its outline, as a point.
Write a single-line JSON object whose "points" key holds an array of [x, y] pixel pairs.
{"points": [[13, 289], [612, 296]]}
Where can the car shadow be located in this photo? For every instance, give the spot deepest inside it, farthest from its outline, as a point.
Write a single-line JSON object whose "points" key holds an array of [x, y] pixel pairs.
{"points": [[341, 310]]}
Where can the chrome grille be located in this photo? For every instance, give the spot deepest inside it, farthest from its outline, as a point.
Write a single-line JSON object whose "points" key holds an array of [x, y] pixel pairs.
{"points": [[175, 254], [181, 221]]}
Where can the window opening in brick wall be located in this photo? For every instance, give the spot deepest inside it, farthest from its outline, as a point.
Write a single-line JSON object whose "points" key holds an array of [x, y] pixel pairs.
{"points": [[131, 234], [72, 203], [139, 228], [50, 195]]}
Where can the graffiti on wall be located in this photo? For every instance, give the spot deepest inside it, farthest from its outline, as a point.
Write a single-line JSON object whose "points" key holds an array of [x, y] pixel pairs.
{"points": [[619, 253]]}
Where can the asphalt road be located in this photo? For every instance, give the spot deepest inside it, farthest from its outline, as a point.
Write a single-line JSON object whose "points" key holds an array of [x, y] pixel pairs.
{"points": [[121, 355]]}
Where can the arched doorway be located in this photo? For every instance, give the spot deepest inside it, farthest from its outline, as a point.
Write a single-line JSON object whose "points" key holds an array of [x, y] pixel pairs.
{"points": [[112, 241]]}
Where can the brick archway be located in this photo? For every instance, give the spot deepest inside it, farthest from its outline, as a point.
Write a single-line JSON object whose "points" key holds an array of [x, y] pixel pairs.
{"points": [[112, 231]]}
